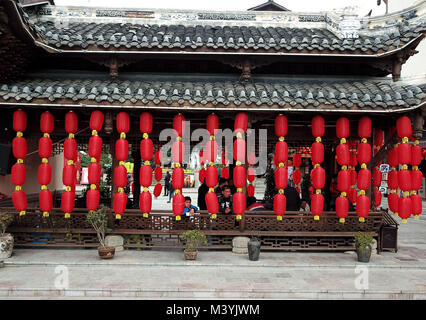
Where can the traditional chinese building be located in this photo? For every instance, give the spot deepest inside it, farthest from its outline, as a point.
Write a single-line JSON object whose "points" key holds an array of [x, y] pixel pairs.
{"points": [[262, 63]]}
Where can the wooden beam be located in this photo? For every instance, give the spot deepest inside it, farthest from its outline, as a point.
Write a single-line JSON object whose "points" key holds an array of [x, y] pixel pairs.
{"points": [[390, 141]]}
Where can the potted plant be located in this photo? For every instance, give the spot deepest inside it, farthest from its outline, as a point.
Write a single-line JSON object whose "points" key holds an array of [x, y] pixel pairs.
{"points": [[363, 242], [253, 249], [193, 239], [6, 239], [98, 219]]}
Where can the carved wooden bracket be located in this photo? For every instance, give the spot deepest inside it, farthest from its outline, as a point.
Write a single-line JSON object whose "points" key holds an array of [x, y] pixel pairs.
{"points": [[246, 66]]}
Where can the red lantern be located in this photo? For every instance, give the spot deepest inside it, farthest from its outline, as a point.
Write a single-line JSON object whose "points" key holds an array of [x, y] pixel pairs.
{"points": [[19, 147], [318, 178], [71, 122], [145, 202], [123, 122], [393, 179], [145, 122], [416, 204], [240, 124], [178, 178], [364, 127], [318, 127], [70, 149], [120, 176], [281, 177], [317, 153], [178, 204], [416, 155], [364, 179], [212, 202], [224, 158], [46, 122], [212, 123], [393, 201], [362, 207], [239, 203], [343, 155], [239, 150], [202, 175], [96, 120], [146, 176], [67, 201], [46, 201], [95, 147], [353, 160], [19, 120], [416, 179], [393, 157], [281, 127], [92, 199], [297, 160], [280, 203], [250, 174], [94, 172], [404, 153], [179, 125], [157, 190], [344, 181], [404, 208], [281, 153], [211, 150], [158, 157], [147, 149], [120, 202], [353, 177], [44, 174], [342, 128], [18, 174], [377, 198], [68, 175], [239, 176], [377, 178], [178, 151], [403, 127], [158, 173], [45, 147], [342, 208], [352, 195], [404, 180], [121, 149], [224, 173], [378, 138], [211, 176], [19, 200], [250, 190], [297, 177], [364, 153], [317, 205]]}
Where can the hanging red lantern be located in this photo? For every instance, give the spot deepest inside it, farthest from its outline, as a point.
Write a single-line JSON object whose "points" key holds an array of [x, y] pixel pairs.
{"points": [[71, 122], [95, 147], [393, 179], [342, 208], [178, 205], [377, 198], [224, 173], [146, 176], [211, 150], [317, 205], [212, 203], [343, 154], [178, 178], [44, 174], [404, 153], [377, 178], [157, 190], [92, 199], [145, 121], [280, 203], [18, 174], [393, 156], [120, 176], [19, 120], [178, 151], [158, 173], [297, 160], [343, 181], [224, 158], [318, 127], [297, 177], [281, 153], [362, 207], [281, 177], [211, 176], [96, 120], [239, 203], [239, 150], [68, 175], [364, 153], [416, 154], [19, 147], [94, 173], [120, 203], [240, 124], [212, 123], [46, 201], [353, 160], [378, 140], [179, 125], [70, 149], [416, 205], [416, 179], [281, 126], [404, 208], [404, 180], [239, 176], [67, 202], [250, 190], [403, 127], [250, 174], [45, 147], [46, 122], [352, 195], [318, 178], [145, 203], [122, 149], [19, 200], [123, 122], [147, 149], [342, 128], [364, 179], [158, 157], [202, 175], [393, 201], [353, 177], [317, 153], [364, 127]]}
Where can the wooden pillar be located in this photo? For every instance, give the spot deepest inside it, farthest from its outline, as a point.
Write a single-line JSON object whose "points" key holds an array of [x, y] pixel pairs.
{"points": [[136, 181], [418, 122], [113, 166], [396, 68]]}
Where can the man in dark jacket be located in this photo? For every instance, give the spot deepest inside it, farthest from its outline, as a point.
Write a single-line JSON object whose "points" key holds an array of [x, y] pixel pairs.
{"points": [[225, 201], [293, 199], [167, 183], [202, 191]]}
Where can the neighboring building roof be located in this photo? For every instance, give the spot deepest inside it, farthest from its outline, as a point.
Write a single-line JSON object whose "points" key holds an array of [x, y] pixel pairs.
{"points": [[196, 91], [269, 5], [70, 29]]}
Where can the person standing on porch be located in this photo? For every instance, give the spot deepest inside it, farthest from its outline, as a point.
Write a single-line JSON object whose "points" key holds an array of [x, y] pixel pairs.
{"points": [[293, 198], [167, 183], [202, 191]]}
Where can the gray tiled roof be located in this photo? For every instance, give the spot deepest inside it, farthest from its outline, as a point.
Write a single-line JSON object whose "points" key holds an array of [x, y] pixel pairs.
{"points": [[137, 36], [297, 93]]}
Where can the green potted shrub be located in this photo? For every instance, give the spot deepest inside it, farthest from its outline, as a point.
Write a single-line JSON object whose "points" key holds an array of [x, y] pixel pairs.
{"points": [[99, 220], [6, 239], [193, 239], [363, 242]]}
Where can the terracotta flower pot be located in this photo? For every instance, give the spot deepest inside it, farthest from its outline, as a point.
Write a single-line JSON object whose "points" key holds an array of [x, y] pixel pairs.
{"points": [[6, 246], [190, 254], [106, 252]]}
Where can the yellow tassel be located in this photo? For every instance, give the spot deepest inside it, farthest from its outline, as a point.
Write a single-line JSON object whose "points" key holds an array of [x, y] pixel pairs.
{"points": [[416, 217], [67, 215], [404, 220], [68, 188], [361, 219], [123, 135], [364, 140], [395, 214], [406, 194], [45, 214], [281, 138], [342, 220], [279, 218], [281, 191], [343, 194], [145, 189], [17, 188], [362, 192], [177, 165], [214, 216], [177, 218], [145, 215], [71, 135], [281, 165], [44, 160], [416, 142], [118, 216], [239, 189], [404, 167], [211, 138], [239, 217], [177, 139], [404, 140], [177, 191], [19, 134], [93, 160], [93, 186], [238, 163], [342, 141], [316, 218], [363, 166], [318, 139], [71, 162], [239, 135], [318, 191], [20, 161], [147, 163], [211, 189], [43, 187], [121, 163], [344, 167], [211, 164], [94, 133], [22, 213], [46, 135]]}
